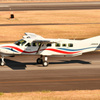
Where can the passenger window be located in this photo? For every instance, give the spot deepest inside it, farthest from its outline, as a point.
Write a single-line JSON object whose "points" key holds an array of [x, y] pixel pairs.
{"points": [[28, 44], [64, 45], [39, 44], [57, 45], [49, 45], [70, 45], [34, 44]]}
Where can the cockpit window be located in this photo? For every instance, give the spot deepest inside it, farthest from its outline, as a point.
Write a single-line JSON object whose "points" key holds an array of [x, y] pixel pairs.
{"points": [[20, 42]]}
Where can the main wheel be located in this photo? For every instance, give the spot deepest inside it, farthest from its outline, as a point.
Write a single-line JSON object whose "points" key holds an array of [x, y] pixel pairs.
{"points": [[39, 61], [45, 63]]}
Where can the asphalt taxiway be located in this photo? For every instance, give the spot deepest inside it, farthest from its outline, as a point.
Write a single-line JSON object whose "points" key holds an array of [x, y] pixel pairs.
{"points": [[21, 74], [49, 6]]}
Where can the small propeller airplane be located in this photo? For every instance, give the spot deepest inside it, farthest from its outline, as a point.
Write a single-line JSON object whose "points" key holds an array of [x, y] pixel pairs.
{"points": [[32, 44]]}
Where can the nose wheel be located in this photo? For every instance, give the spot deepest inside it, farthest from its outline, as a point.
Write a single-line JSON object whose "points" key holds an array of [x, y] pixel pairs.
{"points": [[43, 62], [2, 61]]}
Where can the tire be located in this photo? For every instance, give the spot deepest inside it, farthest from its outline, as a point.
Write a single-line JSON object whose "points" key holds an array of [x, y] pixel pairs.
{"points": [[2, 63], [45, 63], [39, 61]]}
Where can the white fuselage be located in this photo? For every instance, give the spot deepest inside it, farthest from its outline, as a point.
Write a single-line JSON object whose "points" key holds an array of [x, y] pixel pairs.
{"points": [[58, 47]]}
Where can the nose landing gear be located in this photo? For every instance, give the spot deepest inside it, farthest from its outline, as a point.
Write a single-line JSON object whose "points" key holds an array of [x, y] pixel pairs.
{"points": [[43, 62], [2, 61]]}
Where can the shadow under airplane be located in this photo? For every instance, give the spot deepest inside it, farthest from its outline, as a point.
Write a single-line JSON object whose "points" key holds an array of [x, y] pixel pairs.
{"points": [[15, 65], [71, 61]]}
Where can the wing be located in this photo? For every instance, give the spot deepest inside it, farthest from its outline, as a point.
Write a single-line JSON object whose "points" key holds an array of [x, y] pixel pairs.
{"points": [[38, 39], [32, 36]]}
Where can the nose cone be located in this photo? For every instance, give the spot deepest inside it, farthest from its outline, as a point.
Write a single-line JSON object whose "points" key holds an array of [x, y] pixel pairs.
{"points": [[1, 50], [4, 50]]}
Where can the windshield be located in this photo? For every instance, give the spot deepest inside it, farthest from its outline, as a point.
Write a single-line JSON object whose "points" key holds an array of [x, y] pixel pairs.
{"points": [[20, 42]]}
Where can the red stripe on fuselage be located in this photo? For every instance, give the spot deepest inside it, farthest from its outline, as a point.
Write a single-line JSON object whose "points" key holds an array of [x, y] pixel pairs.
{"points": [[50, 49], [19, 49], [59, 51]]}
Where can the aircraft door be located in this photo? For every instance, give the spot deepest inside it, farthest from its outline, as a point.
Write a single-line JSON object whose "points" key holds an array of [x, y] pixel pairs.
{"points": [[28, 47], [34, 47], [37, 47]]}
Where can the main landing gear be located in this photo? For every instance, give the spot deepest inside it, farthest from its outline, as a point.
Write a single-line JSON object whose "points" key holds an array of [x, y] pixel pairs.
{"points": [[43, 62], [2, 61]]}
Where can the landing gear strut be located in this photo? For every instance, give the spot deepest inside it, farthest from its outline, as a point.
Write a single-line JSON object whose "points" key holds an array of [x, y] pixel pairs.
{"points": [[2, 61], [43, 62]]}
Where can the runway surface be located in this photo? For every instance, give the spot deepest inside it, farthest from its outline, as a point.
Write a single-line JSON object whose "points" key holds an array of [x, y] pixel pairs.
{"points": [[49, 6], [21, 74]]}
